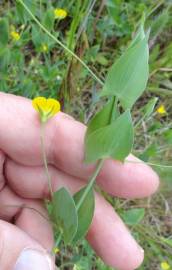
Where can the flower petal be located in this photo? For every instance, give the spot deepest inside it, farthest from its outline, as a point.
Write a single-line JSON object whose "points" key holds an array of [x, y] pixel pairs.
{"points": [[53, 105], [39, 103]]}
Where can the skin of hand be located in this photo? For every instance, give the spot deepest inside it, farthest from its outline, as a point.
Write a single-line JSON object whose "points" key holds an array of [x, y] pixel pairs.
{"points": [[26, 236]]}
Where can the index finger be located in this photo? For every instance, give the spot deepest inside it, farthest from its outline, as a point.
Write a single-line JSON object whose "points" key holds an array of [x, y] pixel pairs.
{"points": [[64, 140]]}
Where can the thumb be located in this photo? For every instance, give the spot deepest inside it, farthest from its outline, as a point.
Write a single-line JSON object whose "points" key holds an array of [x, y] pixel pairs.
{"points": [[18, 251]]}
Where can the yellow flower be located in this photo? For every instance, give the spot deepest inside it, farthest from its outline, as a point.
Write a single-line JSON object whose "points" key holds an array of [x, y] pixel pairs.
{"points": [[56, 250], [46, 108], [15, 35], [165, 266], [60, 13], [161, 109], [44, 48]]}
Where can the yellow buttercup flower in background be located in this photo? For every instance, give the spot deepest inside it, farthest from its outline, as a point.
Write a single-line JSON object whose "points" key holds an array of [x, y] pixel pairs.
{"points": [[161, 109], [46, 108], [165, 266], [15, 35], [60, 13], [56, 250]]}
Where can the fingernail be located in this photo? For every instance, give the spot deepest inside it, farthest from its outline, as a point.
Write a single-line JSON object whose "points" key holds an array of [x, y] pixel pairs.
{"points": [[31, 259]]}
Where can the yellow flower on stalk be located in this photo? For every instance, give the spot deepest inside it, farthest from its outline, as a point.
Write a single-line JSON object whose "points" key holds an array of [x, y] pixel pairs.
{"points": [[60, 13], [15, 35], [165, 266], [161, 109], [46, 108]]}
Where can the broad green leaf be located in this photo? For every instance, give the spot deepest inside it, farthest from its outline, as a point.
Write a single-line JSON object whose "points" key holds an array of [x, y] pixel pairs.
{"points": [[64, 214], [133, 216], [127, 78], [114, 140], [149, 107], [4, 31], [85, 212], [103, 117]]}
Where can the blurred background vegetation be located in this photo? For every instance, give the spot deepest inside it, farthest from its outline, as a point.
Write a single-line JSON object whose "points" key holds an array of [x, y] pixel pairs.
{"points": [[32, 63]]}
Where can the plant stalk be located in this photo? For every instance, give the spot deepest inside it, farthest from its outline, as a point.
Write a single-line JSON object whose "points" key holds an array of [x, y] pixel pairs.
{"points": [[91, 183], [45, 159]]}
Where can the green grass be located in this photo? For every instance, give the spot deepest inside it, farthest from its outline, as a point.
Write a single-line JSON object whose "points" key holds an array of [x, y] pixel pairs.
{"points": [[97, 32]]}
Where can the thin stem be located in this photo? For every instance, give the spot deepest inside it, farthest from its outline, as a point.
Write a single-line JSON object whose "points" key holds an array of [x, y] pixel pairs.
{"points": [[140, 121], [59, 238], [45, 159], [149, 163], [160, 91], [60, 43], [88, 12], [91, 183]]}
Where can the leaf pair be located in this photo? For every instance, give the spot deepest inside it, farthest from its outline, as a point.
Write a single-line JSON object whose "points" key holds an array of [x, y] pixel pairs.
{"points": [[72, 223], [110, 135]]}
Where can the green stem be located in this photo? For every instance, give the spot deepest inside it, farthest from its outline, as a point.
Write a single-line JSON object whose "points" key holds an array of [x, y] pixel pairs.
{"points": [[91, 183], [149, 163], [114, 107], [45, 159], [160, 91], [139, 122], [74, 24], [60, 43], [59, 238]]}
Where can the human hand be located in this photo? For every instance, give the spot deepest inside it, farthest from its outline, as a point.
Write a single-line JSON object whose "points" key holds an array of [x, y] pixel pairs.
{"points": [[23, 183]]}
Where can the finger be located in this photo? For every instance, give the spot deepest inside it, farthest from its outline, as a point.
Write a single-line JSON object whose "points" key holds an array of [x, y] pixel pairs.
{"points": [[22, 178], [64, 149], [28, 215], [18, 251], [107, 229], [111, 239], [2, 162]]}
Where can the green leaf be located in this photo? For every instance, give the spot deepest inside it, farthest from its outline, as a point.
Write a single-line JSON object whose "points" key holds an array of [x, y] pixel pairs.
{"points": [[140, 35], [5, 57], [4, 31], [168, 136], [37, 36], [167, 241], [48, 19], [114, 140], [133, 216], [103, 117], [64, 214], [85, 212], [159, 23], [22, 14], [149, 152], [127, 78], [149, 107]]}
